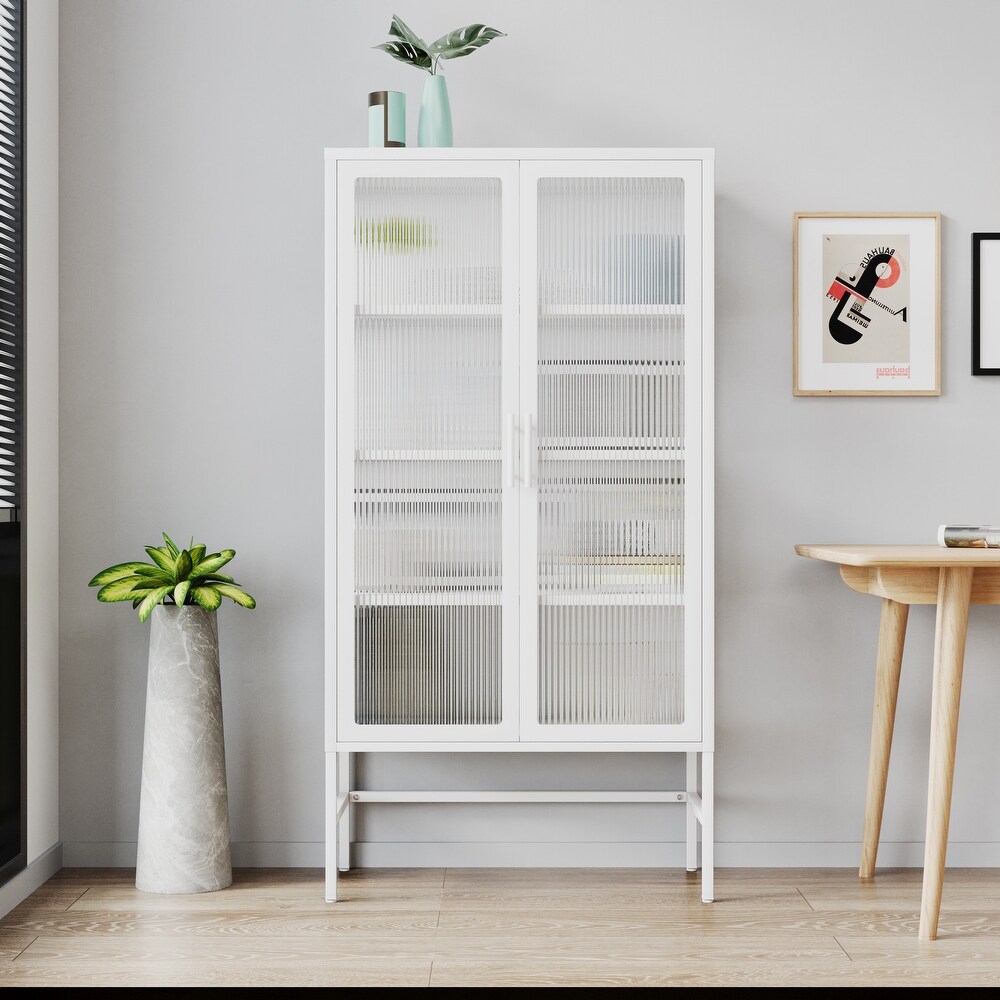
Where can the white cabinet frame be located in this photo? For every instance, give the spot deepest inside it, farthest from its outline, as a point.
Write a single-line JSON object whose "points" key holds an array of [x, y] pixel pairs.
{"points": [[519, 172], [347, 175]]}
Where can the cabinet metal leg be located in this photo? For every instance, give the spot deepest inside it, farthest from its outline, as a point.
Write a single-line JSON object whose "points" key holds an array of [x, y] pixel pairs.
{"points": [[345, 782], [332, 826], [708, 827], [700, 811], [691, 813]]}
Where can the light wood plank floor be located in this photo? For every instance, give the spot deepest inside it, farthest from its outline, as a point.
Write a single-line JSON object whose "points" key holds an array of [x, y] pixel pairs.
{"points": [[506, 927]]}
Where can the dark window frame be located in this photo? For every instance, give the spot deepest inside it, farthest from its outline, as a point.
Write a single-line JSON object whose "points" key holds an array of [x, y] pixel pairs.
{"points": [[12, 348]]}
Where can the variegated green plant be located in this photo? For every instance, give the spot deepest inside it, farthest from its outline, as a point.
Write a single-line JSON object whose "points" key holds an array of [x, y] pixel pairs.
{"points": [[180, 576], [410, 48], [398, 235]]}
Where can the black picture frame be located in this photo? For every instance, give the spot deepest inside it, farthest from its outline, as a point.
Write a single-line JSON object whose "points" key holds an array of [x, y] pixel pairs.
{"points": [[980, 333]]}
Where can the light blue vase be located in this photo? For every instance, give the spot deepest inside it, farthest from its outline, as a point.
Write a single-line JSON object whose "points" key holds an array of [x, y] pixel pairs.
{"points": [[434, 123]]}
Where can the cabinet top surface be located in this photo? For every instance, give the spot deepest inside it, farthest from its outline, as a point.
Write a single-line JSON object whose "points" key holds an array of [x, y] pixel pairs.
{"points": [[512, 153], [900, 555]]}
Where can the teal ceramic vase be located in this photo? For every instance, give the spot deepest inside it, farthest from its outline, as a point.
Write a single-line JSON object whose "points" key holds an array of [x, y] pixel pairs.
{"points": [[434, 123]]}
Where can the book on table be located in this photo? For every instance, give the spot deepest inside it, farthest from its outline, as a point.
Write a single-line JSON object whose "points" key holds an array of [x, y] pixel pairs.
{"points": [[965, 536]]}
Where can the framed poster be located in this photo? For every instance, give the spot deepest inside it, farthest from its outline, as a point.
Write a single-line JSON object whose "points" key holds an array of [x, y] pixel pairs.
{"points": [[986, 303], [866, 304]]}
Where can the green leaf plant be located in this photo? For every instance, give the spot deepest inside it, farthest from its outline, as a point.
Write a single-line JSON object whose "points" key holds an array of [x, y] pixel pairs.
{"points": [[175, 575], [397, 235], [410, 48]]}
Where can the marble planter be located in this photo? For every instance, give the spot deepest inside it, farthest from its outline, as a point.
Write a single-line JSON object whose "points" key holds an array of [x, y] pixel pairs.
{"points": [[184, 804]]}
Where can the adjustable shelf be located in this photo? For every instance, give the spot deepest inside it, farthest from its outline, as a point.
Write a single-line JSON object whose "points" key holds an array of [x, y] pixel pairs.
{"points": [[416, 598], [607, 367], [428, 455], [565, 451], [665, 309], [427, 496], [608, 598], [490, 311]]}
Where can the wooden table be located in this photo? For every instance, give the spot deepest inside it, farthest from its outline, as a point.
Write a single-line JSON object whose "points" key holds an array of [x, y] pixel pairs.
{"points": [[951, 578]]}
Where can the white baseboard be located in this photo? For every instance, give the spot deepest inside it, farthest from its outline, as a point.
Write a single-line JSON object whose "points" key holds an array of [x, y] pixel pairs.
{"points": [[245, 855], [22, 885], [653, 855], [480, 854], [295, 855], [899, 854], [89, 855]]}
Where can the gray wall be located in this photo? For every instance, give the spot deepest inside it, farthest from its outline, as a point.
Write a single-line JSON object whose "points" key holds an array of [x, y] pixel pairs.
{"points": [[42, 423], [192, 398]]}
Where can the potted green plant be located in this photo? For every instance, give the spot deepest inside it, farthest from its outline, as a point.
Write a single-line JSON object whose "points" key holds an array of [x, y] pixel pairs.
{"points": [[183, 838], [434, 124], [179, 576]]}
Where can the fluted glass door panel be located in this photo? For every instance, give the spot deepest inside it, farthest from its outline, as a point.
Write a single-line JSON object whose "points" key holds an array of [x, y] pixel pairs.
{"points": [[428, 451], [611, 474]]}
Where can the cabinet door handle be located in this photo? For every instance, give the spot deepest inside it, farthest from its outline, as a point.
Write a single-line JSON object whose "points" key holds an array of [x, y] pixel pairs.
{"points": [[511, 448], [529, 449]]}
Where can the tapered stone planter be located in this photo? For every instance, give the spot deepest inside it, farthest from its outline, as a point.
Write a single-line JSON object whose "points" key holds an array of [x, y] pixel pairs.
{"points": [[184, 803]]}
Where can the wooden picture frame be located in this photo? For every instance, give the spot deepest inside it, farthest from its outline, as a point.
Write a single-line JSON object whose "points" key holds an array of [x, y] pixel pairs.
{"points": [[866, 304], [986, 303]]}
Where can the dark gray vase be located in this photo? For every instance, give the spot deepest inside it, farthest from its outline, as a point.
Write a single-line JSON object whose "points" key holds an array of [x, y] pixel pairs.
{"points": [[183, 843]]}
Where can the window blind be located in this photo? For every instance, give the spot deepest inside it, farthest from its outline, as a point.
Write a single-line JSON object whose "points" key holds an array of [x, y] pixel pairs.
{"points": [[11, 258], [13, 816]]}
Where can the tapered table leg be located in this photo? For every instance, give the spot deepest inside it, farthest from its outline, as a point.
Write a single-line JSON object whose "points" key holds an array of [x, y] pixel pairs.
{"points": [[892, 632], [954, 590]]}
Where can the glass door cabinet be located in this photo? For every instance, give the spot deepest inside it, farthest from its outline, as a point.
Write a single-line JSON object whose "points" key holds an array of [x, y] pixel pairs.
{"points": [[519, 465]]}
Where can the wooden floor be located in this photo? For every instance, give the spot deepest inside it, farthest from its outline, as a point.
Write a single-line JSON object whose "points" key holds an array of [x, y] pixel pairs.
{"points": [[493, 927]]}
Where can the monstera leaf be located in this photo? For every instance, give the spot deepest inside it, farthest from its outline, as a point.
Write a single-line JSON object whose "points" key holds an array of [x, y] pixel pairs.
{"points": [[409, 48], [405, 52], [412, 49], [464, 41], [399, 29]]}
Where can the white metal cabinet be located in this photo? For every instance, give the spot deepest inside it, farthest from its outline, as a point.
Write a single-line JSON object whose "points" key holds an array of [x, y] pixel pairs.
{"points": [[519, 464]]}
